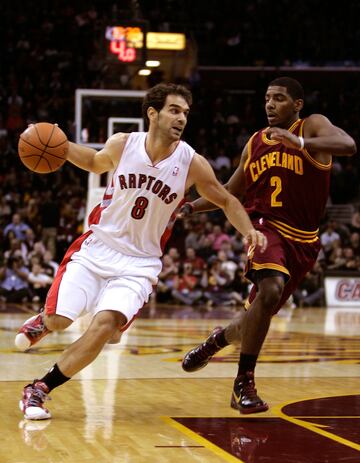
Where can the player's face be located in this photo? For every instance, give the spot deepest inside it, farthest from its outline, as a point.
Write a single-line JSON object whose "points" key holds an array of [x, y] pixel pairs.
{"points": [[281, 109], [173, 116]]}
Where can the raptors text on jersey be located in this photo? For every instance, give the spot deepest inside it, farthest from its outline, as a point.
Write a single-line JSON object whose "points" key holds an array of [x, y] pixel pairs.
{"points": [[140, 204]]}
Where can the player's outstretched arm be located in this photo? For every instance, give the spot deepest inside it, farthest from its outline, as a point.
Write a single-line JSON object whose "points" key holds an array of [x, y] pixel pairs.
{"points": [[209, 188], [320, 135], [98, 161]]}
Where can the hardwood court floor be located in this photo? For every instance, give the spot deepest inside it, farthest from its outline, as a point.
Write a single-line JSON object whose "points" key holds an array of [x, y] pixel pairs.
{"points": [[135, 403]]}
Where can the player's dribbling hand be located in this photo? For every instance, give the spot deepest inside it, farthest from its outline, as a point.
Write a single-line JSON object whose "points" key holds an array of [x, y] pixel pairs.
{"points": [[283, 136], [256, 239], [185, 211]]}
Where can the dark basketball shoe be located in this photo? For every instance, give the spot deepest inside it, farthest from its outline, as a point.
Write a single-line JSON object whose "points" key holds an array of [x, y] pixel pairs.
{"points": [[199, 357], [244, 396], [32, 330]]}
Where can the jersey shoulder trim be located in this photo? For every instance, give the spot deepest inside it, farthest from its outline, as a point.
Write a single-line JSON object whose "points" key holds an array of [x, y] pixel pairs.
{"points": [[249, 150]]}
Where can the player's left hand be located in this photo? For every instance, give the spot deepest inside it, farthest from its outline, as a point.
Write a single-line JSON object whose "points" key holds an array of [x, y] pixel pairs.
{"points": [[185, 211], [283, 136], [256, 239]]}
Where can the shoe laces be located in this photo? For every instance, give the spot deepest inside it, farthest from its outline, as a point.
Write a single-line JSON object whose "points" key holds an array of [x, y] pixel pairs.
{"points": [[205, 350], [37, 396], [34, 330], [249, 389]]}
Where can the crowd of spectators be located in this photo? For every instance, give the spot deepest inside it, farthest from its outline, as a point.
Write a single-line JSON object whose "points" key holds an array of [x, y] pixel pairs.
{"points": [[45, 59], [210, 270]]}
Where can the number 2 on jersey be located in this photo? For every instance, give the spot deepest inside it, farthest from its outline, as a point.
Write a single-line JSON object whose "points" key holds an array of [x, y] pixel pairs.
{"points": [[276, 182], [138, 211]]}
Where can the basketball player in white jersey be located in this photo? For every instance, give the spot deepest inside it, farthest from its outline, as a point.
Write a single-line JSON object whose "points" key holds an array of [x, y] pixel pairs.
{"points": [[110, 270]]}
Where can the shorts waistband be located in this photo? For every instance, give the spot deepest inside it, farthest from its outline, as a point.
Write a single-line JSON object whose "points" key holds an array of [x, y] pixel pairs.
{"points": [[293, 233]]}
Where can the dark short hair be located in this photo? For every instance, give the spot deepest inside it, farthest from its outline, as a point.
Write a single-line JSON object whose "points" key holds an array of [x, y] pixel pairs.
{"points": [[157, 95], [293, 87]]}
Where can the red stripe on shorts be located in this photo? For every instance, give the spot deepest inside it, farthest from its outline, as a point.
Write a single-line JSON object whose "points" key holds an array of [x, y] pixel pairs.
{"points": [[126, 326], [52, 296]]}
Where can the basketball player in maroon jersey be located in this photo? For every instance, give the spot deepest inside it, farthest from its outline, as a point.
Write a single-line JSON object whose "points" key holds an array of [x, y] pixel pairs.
{"points": [[283, 179], [110, 270]]}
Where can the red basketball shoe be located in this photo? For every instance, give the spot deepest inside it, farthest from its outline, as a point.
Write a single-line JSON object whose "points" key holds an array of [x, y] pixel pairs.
{"points": [[31, 332], [32, 402]]}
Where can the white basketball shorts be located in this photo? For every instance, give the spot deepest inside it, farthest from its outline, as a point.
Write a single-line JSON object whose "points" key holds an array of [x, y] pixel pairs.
{"points": [[93, 277]]}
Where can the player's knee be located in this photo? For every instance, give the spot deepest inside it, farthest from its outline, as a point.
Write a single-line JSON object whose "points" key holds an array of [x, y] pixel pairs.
{"points": [[106, 325], [115, 338], [57, 322], [270, 294]]}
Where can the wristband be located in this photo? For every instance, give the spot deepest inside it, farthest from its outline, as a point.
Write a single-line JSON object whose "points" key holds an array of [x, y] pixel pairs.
{"points": [[302, 143]]}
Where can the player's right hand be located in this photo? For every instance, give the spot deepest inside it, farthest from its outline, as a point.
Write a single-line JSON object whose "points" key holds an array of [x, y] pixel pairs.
{"points": [[283, 136], [185, 211], [255, 238]]}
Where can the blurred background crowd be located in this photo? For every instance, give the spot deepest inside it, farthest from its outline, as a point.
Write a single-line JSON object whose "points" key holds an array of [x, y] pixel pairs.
{"points": [[49, 49]]}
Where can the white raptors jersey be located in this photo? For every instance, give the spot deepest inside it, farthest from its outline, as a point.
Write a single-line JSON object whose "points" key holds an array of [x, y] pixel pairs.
{"points": [[139, 207]]}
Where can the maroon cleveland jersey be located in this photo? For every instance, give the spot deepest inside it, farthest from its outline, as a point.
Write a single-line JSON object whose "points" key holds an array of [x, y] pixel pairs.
{"points": [[286, 186]]}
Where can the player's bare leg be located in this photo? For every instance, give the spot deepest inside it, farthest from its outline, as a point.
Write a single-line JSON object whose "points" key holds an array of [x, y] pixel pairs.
{"points": [[255, 327], [76, 357], [115, 338], [233, 332], [83, 351], [57, 322]]}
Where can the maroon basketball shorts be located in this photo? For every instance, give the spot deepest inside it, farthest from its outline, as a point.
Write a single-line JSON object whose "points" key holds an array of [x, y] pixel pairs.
{"points": [[293, 257]]}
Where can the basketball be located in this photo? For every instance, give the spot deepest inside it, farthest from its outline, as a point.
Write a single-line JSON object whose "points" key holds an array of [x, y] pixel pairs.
{"points": [[43, 147]]}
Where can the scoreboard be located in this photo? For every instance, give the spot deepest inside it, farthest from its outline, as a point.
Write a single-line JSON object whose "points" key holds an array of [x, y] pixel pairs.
{"points": [[129, 42]]}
